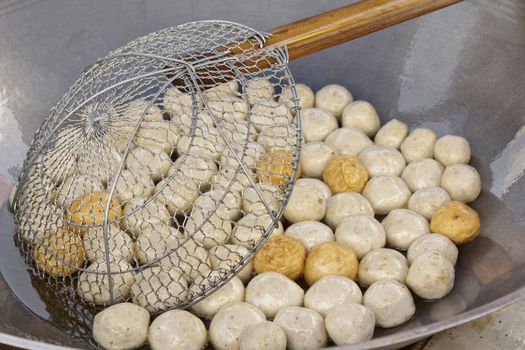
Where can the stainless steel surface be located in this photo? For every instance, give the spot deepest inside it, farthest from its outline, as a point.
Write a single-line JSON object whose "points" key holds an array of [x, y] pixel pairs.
{"points": [[459, 70]]}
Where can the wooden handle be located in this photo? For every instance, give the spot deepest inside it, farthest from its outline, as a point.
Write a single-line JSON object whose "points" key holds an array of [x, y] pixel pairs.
{"points": [[337, 26]]}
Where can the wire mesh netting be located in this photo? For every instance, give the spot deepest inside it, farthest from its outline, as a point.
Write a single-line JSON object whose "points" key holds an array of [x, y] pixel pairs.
{"points": [[164, 168]]}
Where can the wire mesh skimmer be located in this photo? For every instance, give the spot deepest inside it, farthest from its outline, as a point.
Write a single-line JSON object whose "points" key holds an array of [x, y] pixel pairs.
{"points": [[163, 169]]}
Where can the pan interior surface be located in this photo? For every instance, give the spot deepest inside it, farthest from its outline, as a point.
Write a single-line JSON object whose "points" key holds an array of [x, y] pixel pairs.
{"points": [[456, 71]]}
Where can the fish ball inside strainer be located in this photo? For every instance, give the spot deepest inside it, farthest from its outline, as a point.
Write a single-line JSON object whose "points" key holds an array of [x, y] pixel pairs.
{"points": [[177, 102], [74, 187], [228, 256], [120, 245], [208, 228], [160, 135], [196, 168], [249, 229], [227, 203], [132, 184], [269, 113], [155, 241], [158, 289], [190, 257], [229, 108], [135, 109], [259, 89], [270, 193], [155, 163], [177, 194], [141, 213], [93, 284], [102, 163]]}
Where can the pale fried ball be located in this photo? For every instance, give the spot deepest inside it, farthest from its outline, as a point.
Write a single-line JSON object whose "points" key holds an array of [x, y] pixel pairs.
{"points": [[419, 144], [348, 141], [456, 221], [177, 102], [229, 108], [404, 226], [382, 264], [230, 322], [343, 205], [431, 276], [386, 193], [121, 326], [433, 242], [231, 292], [330, 258], [362, 233], [310, 233], [57, 251], [427, 200], [272, 291], [422, 173], [315, 157], [462, 182], [283, 254], [334, 98], [304, 328], [332, 292], [306, 202], [361, 115], [304, 93], [345, 174], [177, 329], [276, 166], [263, 336], [451, 149], [317, 124], [89, 210], [208, 228], [391, 303], [350, 323], [382, 160], [196, 168], [320, 185], [392, 134]]}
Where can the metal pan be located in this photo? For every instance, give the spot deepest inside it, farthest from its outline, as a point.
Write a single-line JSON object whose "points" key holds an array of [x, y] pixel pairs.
{"points": [[459, 70]]}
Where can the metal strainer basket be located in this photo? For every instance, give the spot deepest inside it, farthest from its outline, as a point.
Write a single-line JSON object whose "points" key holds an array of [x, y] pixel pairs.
{"points": [[163, 170]]}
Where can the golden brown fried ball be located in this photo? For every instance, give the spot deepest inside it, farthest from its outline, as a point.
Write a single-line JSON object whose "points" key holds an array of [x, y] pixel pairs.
{"points": [[330, 258], [457, 221], [283, 254], [345, 174]]}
